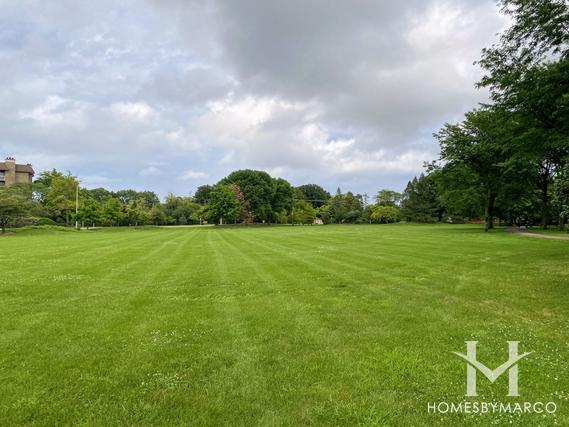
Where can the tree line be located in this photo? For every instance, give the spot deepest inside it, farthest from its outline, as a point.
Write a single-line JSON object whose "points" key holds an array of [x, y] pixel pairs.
{"points": [[243, 197], [508, 159]]}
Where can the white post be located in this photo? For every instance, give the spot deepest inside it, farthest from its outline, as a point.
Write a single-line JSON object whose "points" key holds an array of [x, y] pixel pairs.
{"points": [[77, 206]]}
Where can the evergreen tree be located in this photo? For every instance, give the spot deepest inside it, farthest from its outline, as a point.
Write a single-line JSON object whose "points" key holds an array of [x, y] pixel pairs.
{"points": [[419, 200]]}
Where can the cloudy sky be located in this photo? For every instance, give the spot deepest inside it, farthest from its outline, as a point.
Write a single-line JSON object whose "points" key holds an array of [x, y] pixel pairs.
{"points": [[166, 95]]}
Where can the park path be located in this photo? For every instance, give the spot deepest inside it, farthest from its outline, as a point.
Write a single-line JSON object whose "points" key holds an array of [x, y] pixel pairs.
{"points": [[527, 233]]}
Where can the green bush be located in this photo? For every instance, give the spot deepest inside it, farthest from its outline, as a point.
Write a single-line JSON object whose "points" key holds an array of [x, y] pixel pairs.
{"points": [[45, 221], [384, 214]]}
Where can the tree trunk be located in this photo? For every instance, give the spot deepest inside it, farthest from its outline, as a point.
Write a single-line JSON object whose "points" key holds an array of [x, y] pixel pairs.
{"points": [[546, 169], [544, 202], [562, 220], [490, 211]]}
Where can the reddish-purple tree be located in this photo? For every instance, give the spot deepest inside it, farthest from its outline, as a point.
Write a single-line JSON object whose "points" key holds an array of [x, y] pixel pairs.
{"points": [[246, 213]]}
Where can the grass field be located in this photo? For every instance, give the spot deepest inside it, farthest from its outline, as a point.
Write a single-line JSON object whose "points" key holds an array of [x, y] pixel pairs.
{"points": [[333, 325]]}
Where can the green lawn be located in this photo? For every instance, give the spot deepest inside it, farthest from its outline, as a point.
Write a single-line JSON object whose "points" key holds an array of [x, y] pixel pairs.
{"points": [[332, 325]]}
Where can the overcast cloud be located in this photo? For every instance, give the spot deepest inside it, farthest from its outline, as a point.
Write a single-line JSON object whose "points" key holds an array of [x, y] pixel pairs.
{"points": [[165, 95]]}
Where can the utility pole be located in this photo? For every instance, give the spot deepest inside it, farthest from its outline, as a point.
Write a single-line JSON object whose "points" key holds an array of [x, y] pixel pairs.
{"points": [[77, 206]]}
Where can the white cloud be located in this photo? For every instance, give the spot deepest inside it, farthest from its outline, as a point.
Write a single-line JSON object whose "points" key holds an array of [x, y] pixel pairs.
{"points": [[151, 171], [57, 111], [339, 95], [191, 175], [136, 111]]}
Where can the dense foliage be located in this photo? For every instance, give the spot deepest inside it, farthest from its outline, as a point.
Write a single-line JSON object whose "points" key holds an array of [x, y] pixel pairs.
{"points": [[508, 159], [243, 197]]}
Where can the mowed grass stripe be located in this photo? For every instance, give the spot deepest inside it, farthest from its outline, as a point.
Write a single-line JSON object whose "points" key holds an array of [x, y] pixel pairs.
{"points": [[308, 345], [299, 342], [333, 357], [63, 268], [87, 320], [448, 282]]}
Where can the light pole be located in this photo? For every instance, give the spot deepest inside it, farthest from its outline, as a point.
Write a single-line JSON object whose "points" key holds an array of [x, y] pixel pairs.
{"points": [[77, 206]]}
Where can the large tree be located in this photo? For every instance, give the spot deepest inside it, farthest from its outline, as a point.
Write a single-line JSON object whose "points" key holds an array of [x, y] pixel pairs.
{"points": [[101, 195], [258, 189], [387, 197], [42, 184], [180, 210], [527, 73], [246, 215], [202, 194], [313, 193], [419, 200], [15, 205], [223, 205], [149, 198], [136, 212], [157, 215], [283, 196], [303, 212], [90, 213], [460, 195], [111, 213], [538, 35], [561, 195], [480, 143], [61, 196], [541, 105]]}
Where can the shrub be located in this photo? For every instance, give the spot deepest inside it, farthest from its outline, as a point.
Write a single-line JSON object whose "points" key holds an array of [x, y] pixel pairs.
{"points": [[384, 214], [44, 221]]}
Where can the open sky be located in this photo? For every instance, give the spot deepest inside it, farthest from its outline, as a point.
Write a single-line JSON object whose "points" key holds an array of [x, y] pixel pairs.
{"points": [[166, 95]]}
